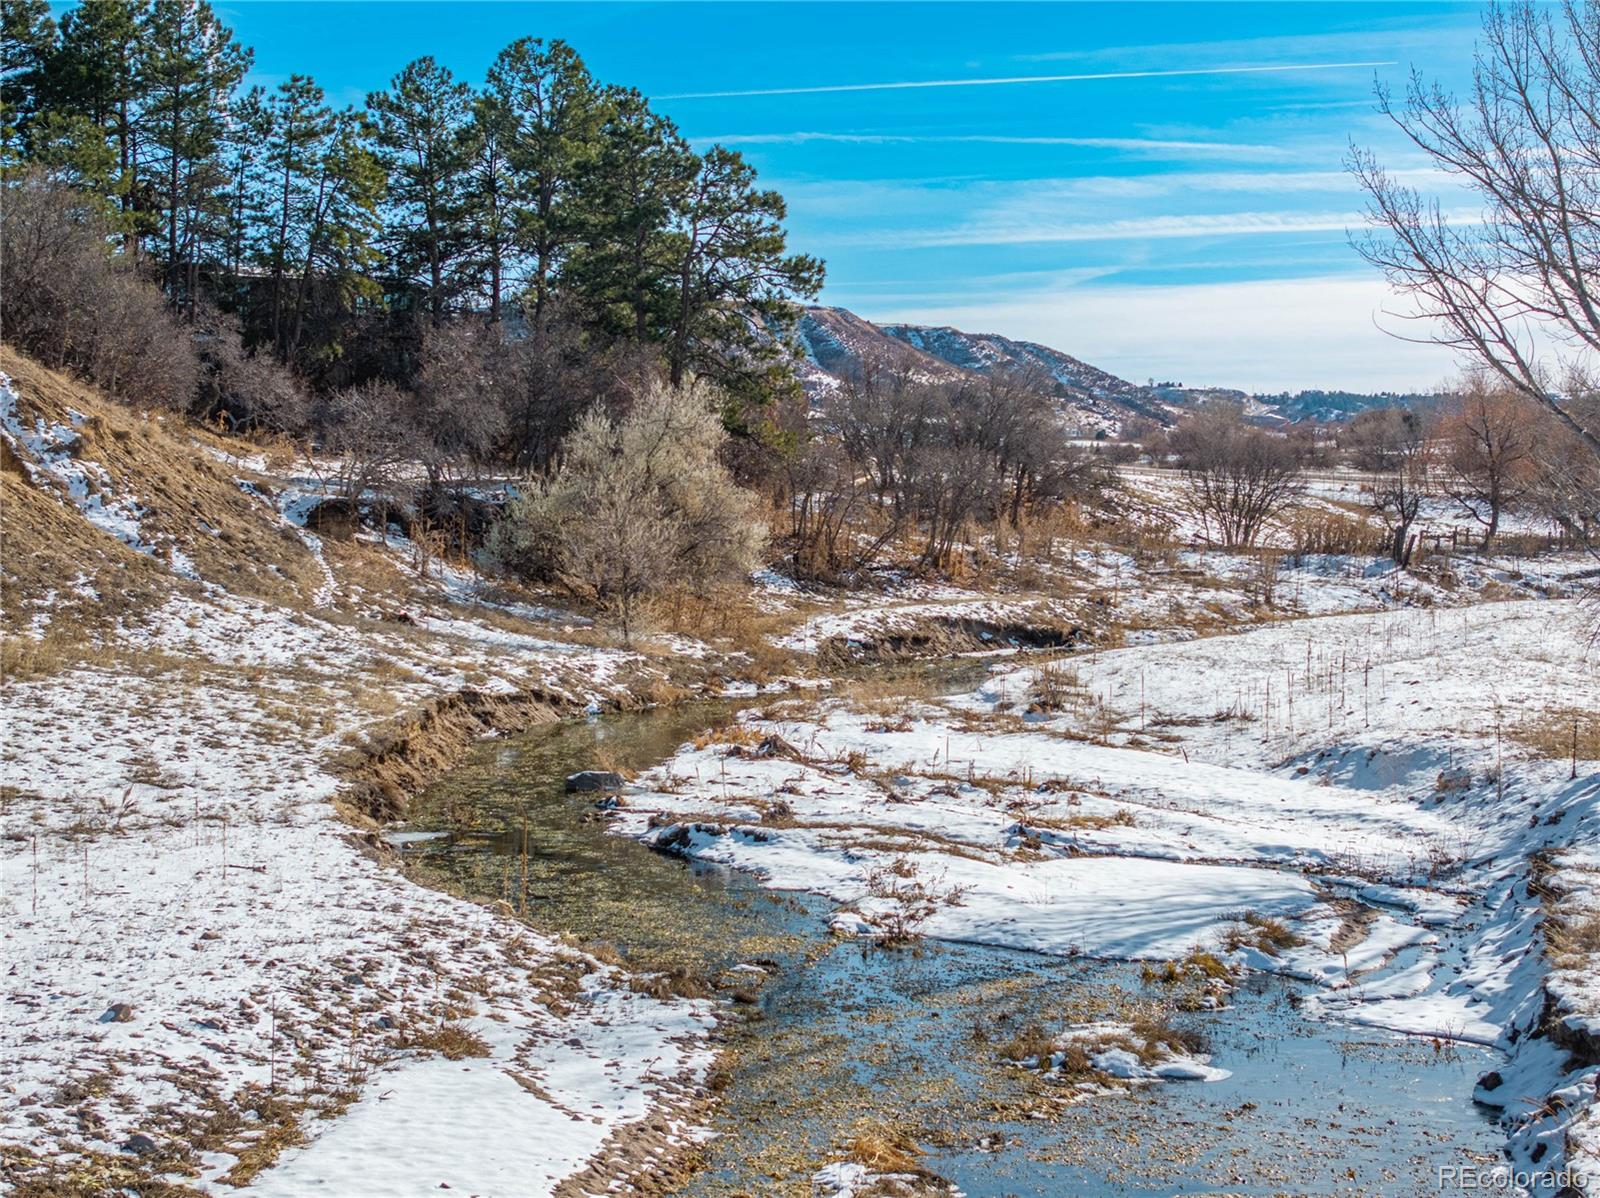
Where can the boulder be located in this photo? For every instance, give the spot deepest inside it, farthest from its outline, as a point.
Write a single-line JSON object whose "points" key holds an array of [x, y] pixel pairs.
{"points": [[594, 782]]}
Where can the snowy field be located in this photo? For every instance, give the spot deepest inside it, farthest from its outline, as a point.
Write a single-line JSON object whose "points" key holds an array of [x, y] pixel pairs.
{"points": [[190, 929]]}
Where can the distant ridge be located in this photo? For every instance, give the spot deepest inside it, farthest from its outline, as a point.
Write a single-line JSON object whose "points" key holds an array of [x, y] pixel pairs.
{"points": [[838, 344]]}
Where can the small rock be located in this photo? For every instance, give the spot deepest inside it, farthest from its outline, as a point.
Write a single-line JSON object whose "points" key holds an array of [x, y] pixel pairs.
{"points": [[354, 979], [118, 1012], [139, 1144], [594, 781], [1491, 1080]]}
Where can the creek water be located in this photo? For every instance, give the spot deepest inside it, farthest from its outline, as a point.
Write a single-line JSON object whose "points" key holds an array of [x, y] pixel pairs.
{"points": [[840, 1035]]}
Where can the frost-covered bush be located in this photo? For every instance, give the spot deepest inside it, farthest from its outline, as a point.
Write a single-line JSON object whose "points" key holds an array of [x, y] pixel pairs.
{"points": [[639, 505]]}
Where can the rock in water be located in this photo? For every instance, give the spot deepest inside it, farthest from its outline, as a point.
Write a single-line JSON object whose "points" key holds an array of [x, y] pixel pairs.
{"points": [[594, 782]]}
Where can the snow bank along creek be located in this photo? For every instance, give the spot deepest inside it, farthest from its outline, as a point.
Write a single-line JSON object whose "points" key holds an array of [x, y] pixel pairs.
{"points": [[941, 1039]]}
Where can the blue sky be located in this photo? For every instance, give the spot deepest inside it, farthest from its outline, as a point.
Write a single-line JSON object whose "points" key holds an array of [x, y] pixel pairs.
{"points": [[1185, 219]]}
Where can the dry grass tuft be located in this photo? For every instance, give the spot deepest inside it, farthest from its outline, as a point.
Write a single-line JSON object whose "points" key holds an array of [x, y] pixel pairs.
{"points": [[1270, 936], [729, 734], [682, 982], [452, 1040], [884, 1149]]}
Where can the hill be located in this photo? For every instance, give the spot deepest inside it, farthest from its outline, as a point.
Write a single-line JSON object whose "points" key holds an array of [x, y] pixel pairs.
{"points": [[838, 344]]}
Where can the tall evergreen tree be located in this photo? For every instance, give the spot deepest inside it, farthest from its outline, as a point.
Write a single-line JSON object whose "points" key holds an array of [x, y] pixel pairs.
{"points": [[249, 188], [94, 75], [630, 194], [550, 103], [298, 127], [73, 149], [733, 282], [189, 68], [341, 230], [490, 197], [27, 44], [322, 187], [418, 124]]}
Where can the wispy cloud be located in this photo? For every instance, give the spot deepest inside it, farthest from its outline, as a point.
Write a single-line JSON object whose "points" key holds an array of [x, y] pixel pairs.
{"points": [[1009, 80], [1226, 224], [1134, 145]]}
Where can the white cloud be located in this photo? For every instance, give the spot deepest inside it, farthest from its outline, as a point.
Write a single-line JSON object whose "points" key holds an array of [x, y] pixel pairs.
{"points": [[1008, 80], [1265, 335], [1043, 230], [1161, 147]]}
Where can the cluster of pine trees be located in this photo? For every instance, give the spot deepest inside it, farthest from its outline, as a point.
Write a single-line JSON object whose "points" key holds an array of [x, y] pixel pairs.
{"points": [[338, 237]]}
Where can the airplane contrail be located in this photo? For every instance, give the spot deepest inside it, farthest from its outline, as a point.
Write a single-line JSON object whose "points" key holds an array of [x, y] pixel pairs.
{"points": [[1010, 79]]}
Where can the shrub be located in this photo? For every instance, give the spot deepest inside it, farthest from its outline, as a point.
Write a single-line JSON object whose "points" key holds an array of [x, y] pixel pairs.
{"points": [[639, 505], [242, 389], [72, 303]]}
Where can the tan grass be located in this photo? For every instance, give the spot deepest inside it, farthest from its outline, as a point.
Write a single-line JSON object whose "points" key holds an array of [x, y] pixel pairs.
{"points": [[451, 1039], [1559, 733], [883, 1148]]}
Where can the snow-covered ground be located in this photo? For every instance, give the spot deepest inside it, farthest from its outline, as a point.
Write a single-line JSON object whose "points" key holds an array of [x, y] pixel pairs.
{"points": [[213, 979], [210, 971], [1355, 779], [188, 926]]}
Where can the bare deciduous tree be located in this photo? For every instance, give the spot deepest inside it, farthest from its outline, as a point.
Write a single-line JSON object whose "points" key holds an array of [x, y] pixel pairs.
{"points": [[826, 496], [1391, 444], [1516, 288], [459, 409], [364, 431], [1488, 444], [1240, 476], [1565, 488]]}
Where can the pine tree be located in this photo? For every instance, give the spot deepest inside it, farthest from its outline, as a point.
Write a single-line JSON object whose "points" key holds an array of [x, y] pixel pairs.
{"points": [[248, 188], [733, 282], [550, 103], [489, 197], [342, 227], [94, 76], [418, 125], [27, 44], [298, 126], [73, 149], [630, 194], [189, 68]]}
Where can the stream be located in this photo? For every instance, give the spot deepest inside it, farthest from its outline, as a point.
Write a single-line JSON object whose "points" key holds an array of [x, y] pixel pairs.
{"points": [[840, 1034]]}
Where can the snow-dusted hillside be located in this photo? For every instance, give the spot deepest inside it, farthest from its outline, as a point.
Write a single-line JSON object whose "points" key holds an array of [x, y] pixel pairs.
{"points": [[837, 344], [1088, 387]]}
